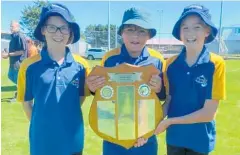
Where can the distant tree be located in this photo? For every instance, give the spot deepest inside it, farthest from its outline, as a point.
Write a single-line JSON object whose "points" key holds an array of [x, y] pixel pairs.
{"points": [[30, 17]]}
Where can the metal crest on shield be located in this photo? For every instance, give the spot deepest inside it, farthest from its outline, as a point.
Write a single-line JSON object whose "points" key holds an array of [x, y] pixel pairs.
{"points": [[144, 90], [106, 92]]}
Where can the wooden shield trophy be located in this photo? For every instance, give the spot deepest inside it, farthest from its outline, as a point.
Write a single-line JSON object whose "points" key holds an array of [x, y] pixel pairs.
{"points": [[125, 109]]}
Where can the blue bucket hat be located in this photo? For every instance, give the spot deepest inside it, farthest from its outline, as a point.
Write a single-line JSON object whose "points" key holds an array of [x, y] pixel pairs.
{"points": [[203, 13], [59, 10], [138, 17]]}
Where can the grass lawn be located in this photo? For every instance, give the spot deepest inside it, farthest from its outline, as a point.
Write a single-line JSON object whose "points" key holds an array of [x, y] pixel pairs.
{"points": [[15, 125]]}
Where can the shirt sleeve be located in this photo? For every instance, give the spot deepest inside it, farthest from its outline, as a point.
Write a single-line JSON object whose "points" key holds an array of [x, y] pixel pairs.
{"points": [[218, 89], [84, 91], [165, 74], [162, 94], [24, 86]]}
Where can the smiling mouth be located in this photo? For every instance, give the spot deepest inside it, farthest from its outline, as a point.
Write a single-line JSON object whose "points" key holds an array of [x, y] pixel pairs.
{"points": [[191, 40], [58, 39], [135, 43]]}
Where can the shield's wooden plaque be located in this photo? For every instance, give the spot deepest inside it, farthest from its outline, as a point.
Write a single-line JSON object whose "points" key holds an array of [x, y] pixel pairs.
{"points": [[125, 109]]}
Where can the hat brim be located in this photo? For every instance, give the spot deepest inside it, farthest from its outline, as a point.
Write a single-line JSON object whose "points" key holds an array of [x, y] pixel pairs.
{"points": [[139, 23], [74, 26], [176, 28]]}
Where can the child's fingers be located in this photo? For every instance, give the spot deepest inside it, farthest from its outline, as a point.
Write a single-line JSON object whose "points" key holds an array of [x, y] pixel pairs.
{"points": [[92, 78], [96, 86], [155, 76], [143, 141], [152, 83], [137, 143], [140, 142], [99, 86], [98, 81], [95, 82]]}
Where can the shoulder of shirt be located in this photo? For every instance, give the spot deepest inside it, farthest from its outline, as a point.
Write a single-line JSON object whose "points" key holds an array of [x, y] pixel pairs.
{"points": [[113, 52], [170, 60], [80, 60], [155, 54], [216, 59], [31, 60], [18, 35]]}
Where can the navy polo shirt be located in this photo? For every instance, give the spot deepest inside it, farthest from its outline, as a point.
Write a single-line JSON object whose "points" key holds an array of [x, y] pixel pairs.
{"points": [[17, 43], [189, 88], [147, 57], [56, 125]]}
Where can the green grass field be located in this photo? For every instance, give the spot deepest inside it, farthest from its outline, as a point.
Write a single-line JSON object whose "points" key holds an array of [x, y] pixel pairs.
{"points": [[15, 125]]}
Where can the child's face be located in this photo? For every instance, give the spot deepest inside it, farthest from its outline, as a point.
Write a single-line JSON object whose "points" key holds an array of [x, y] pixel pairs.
{"points": [[56, 31], [193, 32], [135, 39]]}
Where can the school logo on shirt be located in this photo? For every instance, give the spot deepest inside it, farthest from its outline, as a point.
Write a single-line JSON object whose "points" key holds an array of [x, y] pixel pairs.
{"points": [[202, 80], [75, 83]]}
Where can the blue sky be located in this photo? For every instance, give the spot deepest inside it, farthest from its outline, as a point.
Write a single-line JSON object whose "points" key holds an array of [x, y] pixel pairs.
{"points": [[86, 12]]}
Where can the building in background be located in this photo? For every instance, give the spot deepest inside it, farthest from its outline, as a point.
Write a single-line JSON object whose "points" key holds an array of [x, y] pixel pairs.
{"points": [[168, 47], [79, 48], [229, 42], [5, 40]]}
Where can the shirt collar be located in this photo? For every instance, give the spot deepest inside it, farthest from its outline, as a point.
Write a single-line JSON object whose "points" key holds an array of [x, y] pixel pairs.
{"points": [[144, 53], [204, 56], [15, 34], [47, 60]]}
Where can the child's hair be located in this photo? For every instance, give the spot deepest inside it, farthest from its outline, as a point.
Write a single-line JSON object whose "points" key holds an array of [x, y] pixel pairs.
{"points": [[71, 37]]}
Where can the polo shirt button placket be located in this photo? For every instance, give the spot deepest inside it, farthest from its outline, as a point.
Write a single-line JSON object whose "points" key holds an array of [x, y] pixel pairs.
{"points": [[58, 73], [138, 61], [57, 69]]}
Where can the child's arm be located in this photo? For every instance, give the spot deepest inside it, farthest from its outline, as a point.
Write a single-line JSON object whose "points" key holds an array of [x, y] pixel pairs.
{"points": [[155, 83], [27, 107], [206, 114], [162, 66], [24, 89]]}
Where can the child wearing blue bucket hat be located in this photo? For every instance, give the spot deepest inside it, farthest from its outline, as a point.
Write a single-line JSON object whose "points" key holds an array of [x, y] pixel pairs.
{"points": [[195, 84], [135, 30], [51, 86]]}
